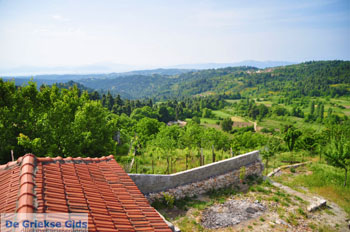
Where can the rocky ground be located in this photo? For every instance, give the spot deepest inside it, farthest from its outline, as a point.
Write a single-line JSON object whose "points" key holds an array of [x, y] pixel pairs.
{"points": [[268, 206], [230, 213]]}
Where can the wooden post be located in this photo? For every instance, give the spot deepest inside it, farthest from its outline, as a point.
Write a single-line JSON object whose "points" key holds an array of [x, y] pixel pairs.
{"points": [[231, 151], [202, 157], [186, 161], [167, 160], [213, 153], [171, 165], [152, 165], [136, 165]]}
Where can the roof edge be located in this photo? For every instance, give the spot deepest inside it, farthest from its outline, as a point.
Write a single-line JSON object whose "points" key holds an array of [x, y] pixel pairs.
{"points": [[27, 165], [11, 164], [59, 158]]}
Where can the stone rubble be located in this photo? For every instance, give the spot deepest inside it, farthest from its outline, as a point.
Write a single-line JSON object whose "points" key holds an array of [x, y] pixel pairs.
{"points": [[201, 187], [319, 202], [230, 213]]}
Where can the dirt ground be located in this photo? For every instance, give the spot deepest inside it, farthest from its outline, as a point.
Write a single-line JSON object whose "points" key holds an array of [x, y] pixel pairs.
{"points": [[282, 209]]}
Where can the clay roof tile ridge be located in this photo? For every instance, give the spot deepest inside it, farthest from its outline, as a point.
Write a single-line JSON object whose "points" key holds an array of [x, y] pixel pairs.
{"points": [[26, 192]]}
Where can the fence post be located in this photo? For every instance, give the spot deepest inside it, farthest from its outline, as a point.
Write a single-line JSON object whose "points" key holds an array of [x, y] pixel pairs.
{"points": [[202, 157], [212, 151]]}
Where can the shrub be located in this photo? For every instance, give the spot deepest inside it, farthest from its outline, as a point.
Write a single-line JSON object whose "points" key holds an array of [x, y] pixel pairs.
{"points": [[168, 200], [242, 172]]}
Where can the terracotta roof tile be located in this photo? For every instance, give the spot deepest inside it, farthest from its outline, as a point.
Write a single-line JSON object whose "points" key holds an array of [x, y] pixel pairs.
{"points": [[97, 186]]}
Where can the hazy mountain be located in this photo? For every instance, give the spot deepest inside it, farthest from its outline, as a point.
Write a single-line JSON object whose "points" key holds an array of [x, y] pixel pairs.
{"points": [[84, 69], [252, 63], [123, 69], [159, 71], [67, 77], [50, 79], [314, 78]]}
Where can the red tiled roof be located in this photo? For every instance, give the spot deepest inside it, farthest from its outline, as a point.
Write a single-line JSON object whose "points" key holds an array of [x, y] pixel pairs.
{"points": [[97, 186]]}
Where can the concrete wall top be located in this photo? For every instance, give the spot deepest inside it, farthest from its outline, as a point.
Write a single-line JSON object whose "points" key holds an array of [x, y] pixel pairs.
{"points": [[148, 183]]}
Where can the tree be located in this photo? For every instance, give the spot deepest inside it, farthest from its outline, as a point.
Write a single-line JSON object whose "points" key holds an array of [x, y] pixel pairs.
{"points": [[147, 129], [109, 101], [308, 141], [253, 112], [207, 113], [280, 111], [269, 150], [214, 139], [93, 130], [290, 136], [297, 112], [226, 124], [167, 139], [192, 137], [164, 114], [312, 108], [321, 111], [337, 152], [196, 120], [145, 111]]}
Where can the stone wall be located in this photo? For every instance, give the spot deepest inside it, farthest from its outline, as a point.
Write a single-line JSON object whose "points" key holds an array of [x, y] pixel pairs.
{"points": [[201, 179], [229, 179]]}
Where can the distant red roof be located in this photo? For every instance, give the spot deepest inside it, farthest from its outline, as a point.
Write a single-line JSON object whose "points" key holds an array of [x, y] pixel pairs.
{"points": [[97, 186]]}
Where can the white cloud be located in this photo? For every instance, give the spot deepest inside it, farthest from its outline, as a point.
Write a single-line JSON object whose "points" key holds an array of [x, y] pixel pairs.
{"points": [[60, 18]]}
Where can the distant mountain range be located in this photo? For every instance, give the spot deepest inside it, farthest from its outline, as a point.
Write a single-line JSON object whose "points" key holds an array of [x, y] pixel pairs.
{"points": [[251, 63], [122, 68], [50, 79], [85, 69], [312, 78]]}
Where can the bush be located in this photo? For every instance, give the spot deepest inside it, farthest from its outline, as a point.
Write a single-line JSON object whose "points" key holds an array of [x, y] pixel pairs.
{"points": [[196, 120], [226, 124], [168, 200], [242, 171], [267, 130]]}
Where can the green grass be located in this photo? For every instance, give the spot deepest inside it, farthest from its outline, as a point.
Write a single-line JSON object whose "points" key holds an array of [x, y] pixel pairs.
{"points": [[209, 121], [222, 114], [232, 101], [271, 123], [267, 103], [286, 158], [324, 180], [189, 224], [275, 122]]}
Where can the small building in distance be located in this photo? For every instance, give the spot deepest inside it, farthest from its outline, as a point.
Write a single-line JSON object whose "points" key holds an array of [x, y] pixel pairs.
{"points": [[178, 122]]}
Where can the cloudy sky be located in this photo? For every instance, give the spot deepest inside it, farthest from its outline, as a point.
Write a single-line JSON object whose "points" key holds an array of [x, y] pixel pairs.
{"points": [[161, 33]]}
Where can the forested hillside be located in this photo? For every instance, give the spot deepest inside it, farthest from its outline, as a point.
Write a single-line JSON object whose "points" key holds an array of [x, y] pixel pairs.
{"points": [[319, 78], [315, 78], [291, 114]]}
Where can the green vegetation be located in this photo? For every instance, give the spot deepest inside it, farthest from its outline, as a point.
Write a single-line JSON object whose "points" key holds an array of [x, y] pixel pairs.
{"points": [[321, 179], [322, 78], [53, 122], [292, 114], [226, 124], [338, 149], [270, 150]]}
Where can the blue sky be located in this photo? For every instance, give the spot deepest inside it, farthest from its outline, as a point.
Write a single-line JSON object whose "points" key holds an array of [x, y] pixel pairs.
{"points": [[162, 33]]}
